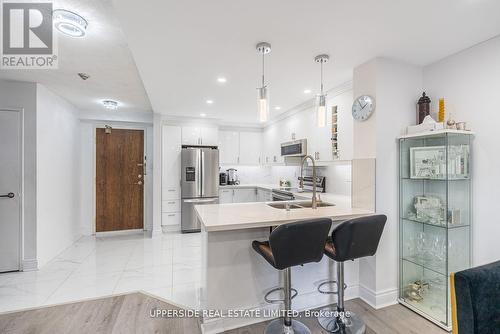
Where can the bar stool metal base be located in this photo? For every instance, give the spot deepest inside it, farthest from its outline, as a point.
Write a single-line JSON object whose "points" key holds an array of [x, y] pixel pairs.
{"points": [[277, 326], [351, 324]]}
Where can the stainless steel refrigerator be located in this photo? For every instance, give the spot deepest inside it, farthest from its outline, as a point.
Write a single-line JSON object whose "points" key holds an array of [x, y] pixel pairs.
{"points": [[200, 183]]}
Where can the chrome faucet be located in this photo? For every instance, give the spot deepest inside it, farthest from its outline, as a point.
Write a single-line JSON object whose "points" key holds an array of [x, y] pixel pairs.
{"points": [[314, 200]]}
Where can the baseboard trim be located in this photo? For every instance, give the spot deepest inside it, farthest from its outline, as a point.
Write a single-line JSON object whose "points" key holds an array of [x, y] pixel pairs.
{"points": [[121, 232], [378, 299], [29, 265]]}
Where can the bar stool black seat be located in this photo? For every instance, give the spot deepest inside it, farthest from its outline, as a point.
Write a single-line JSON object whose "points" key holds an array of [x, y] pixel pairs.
{"points": [[352, 239], [290, 245]]}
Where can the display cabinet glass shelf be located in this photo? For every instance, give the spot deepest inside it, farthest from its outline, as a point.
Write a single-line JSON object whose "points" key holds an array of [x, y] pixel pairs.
{"points": [[435, 219]]}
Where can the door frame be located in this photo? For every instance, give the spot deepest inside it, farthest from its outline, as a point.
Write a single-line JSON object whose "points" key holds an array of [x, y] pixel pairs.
{"points": [[145, 198], [21, 185]]}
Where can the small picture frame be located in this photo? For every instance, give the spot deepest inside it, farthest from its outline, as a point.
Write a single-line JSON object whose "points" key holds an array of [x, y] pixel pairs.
{"points": [[427, 162]]}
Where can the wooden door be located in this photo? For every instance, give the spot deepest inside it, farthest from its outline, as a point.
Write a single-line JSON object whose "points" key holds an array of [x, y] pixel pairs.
{"points": [[119, 180]]}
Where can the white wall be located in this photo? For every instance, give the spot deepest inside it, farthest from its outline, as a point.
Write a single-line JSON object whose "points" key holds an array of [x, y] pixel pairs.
{"points": [[22, 95], [470, 83], [395, 87], [57, 174]]}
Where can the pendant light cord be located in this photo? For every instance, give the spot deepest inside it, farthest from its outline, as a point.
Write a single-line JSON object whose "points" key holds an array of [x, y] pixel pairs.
{"points": [[321, 63], [263, 68]]}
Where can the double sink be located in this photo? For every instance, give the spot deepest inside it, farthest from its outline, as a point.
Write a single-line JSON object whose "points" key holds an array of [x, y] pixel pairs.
{"points": [[297, 205]]}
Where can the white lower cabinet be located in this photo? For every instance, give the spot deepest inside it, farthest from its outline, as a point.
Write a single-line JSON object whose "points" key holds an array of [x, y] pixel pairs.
{"points": [[245, 195], [225, 196], [170, 218]]}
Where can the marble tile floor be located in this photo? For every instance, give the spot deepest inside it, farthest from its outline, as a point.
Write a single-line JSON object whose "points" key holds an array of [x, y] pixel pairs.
{"points": [[167, 266]]}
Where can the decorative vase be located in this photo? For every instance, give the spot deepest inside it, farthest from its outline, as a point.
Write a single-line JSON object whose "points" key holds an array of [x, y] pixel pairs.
{"points": [[423, 108]]}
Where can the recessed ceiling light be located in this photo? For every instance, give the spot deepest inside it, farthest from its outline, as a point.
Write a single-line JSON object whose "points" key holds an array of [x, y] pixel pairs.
{"points": [[69, 23], [221, 80], [110, 104], [203, 114], [307, 91], [277, 108], [210, 101]]}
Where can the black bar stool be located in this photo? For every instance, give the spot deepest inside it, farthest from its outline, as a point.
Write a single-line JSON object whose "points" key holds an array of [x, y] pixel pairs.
{"points": [[352, 239], [291, 245]]}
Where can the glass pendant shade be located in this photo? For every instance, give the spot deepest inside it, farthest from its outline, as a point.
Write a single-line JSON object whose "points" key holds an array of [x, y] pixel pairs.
{"points": [[321, 111], [263, 104]]}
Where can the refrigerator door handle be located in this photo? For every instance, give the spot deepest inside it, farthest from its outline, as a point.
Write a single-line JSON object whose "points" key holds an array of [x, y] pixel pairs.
{"points": [[202, 169], [200, 173]]}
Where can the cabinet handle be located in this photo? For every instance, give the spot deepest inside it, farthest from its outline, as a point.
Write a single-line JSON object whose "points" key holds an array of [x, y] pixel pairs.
{"points": [[171, 202], [238, 159], [172, 215], [259, 160], [171, 190]]}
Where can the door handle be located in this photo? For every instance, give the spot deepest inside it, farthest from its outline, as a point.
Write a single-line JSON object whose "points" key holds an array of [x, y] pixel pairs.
{"points": [[9, 195]]}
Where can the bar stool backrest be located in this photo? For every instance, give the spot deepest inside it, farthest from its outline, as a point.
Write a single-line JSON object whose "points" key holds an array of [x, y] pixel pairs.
{"points": [[299, 242], [358, 237]]}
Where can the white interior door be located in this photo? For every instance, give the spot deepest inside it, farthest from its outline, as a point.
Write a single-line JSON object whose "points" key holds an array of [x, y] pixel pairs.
{"points": [[10, 190]]}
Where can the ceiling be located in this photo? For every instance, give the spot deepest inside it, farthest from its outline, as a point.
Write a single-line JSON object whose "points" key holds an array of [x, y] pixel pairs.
{"points": [[103, 54], [181, 47]]}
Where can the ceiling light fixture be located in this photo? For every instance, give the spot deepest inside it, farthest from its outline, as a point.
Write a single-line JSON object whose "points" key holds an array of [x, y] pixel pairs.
{"points": [[221, 80], [110, 104], [210, 102], [69, 23], [263, 48], [277, 108], [321, 98], [307, 91]]}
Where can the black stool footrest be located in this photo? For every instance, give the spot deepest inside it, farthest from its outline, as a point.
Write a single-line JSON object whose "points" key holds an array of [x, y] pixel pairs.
{"points": [[275, 301], [329, 292]]}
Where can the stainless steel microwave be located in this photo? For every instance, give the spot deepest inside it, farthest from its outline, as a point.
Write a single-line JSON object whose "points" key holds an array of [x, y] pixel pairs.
{"points": [[296, 148]]}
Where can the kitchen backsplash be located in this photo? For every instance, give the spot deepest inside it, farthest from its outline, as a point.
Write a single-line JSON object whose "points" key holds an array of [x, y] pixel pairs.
{"points": [[338, 175]]}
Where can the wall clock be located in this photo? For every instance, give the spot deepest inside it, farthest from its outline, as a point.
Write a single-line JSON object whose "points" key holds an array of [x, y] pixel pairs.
{"points": [[363, 107]]}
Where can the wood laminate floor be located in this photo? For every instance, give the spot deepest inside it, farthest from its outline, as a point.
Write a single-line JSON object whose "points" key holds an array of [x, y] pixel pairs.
{"points": [[131, 314]]}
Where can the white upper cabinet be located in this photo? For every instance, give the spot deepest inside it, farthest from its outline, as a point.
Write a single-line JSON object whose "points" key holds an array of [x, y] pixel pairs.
{"points": [[198, 135], [250, 148], [209, 136], [171, 161], [229, 146], [240, 147]]}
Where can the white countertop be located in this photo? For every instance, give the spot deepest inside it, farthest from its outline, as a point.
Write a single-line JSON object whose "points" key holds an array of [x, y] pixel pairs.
{"points": [[250, 185], [225, 217]]}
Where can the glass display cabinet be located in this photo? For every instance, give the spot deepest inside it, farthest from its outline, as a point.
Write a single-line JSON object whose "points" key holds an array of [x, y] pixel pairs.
{"points": [[435, 219]]}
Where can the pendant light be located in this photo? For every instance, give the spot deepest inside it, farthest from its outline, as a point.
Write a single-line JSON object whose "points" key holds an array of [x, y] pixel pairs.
{"points": [[321, 99], [263, 48]]}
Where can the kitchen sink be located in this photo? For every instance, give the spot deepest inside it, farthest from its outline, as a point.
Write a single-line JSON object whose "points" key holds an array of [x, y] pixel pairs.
{"points": [[297, 205]]}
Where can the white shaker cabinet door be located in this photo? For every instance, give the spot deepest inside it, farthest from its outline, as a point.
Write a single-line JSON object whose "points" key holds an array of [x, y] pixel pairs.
{"points": [[229, 146], [250, 148], [191, 135], [245, 195], [225, 196], [171, 161], [209, 136]]}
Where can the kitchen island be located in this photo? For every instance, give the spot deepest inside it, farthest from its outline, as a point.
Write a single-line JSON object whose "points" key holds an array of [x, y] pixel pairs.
{"points": [[234, 277]]}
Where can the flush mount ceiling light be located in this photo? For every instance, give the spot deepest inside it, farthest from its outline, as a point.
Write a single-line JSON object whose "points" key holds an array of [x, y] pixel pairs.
{"points": [[263, 48], [110, 104], [321, 99], [69, 23]]}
